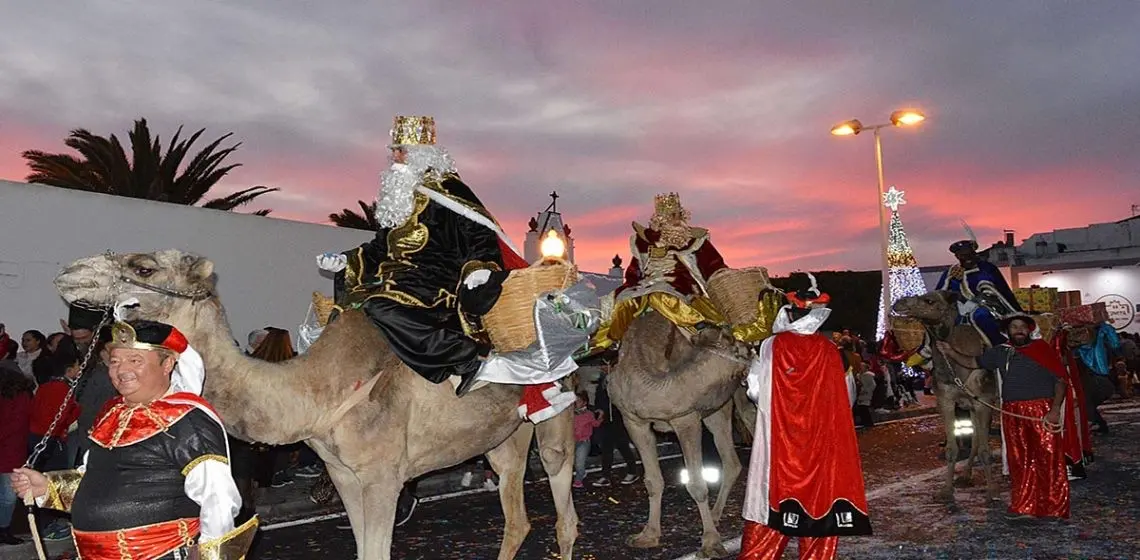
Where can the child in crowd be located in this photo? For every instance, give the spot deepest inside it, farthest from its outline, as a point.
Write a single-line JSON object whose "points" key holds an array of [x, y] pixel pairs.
{"points": [[585, 420]]}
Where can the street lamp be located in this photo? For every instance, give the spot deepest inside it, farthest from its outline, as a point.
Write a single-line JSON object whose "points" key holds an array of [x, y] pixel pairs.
{"points": [[904, 117]]}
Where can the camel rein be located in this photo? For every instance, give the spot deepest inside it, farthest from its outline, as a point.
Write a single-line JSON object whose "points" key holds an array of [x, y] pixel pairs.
{"points": [[108, 317], [28, 498], [1049, 426]]}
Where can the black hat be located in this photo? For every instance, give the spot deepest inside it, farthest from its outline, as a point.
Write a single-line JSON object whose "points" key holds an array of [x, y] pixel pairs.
{"points": [[147, 335], [1018, 317], [81, 316], [959, 246]]}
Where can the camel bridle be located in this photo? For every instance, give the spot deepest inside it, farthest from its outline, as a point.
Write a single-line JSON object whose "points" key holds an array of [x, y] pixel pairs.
{"points": [[194, 296]]}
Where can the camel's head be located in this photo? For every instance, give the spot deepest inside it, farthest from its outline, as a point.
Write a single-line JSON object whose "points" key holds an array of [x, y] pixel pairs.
{"points": [[930, 308], [160, 281]]}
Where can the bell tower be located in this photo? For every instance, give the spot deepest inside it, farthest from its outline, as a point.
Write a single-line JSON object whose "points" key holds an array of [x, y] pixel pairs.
{"points": [[546, 224]]}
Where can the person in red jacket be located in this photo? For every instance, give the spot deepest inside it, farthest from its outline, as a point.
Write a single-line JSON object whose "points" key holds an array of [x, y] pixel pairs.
{"points": [[15, 411], [49, 400]]}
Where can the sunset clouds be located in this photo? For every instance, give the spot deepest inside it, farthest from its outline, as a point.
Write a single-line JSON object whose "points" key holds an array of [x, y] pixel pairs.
{"points": [[1032, 108]]}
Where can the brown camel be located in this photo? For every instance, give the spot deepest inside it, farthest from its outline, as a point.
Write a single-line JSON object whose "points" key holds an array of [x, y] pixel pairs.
{"points": [[937, 311], [665, 381], [374, 421]]}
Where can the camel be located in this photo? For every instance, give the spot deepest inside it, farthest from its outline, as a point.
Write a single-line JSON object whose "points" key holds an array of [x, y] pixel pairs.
{"points": [[938, 312], [374, 421], [662, 380]]}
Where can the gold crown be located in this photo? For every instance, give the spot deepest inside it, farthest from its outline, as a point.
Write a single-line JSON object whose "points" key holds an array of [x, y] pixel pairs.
{"points": [[667, 204], [413, 130]]}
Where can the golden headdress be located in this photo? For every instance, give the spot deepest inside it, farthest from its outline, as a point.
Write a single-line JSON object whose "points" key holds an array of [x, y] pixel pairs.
{"points": [[668, 206], [413, 130]]}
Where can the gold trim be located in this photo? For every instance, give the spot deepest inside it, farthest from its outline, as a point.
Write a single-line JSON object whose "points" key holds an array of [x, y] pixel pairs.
{"points": [[436, 184], [208, 457], [62, 486], [232, 545], [124, 550]]}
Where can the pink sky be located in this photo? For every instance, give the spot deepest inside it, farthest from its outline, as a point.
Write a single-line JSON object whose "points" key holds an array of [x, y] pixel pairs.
{"points": [[1031, 109]]}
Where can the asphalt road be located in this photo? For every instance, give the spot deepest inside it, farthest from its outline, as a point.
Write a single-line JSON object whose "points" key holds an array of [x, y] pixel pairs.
{"points": [[901, 464]]}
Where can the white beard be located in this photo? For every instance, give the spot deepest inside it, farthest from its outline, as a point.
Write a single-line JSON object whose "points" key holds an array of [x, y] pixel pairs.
{"points": [[397, 196], [398, 183]]}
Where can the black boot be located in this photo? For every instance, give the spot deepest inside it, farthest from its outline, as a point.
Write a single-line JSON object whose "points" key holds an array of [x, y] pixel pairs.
{"points": [[466, 384], [7, 538]]}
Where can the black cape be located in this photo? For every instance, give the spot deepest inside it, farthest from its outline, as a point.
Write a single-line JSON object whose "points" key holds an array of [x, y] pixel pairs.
{"points": [[408, 280]]}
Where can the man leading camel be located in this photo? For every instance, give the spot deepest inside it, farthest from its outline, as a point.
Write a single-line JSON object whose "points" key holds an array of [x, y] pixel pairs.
{"points": [[1033, 392], [434, 268], [985, 295], [158, 479]]}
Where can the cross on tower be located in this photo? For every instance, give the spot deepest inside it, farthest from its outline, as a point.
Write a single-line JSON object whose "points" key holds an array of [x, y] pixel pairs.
{"points": [[553, 202]]}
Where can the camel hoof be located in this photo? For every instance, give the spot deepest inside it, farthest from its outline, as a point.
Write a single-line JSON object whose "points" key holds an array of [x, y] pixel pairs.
{"points": [[642, 540], [712, 547], [945, 496]]}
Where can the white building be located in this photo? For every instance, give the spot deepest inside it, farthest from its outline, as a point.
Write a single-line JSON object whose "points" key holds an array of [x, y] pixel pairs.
{"points": [[1102, 261], [266, 267]]}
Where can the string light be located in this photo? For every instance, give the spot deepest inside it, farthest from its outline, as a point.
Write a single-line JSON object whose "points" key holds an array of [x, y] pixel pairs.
{"points": [[904, 276]]}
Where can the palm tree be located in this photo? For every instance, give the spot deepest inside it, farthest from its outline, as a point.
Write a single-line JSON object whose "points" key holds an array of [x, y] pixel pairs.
{"points": [[350, 219], [104, 167]]}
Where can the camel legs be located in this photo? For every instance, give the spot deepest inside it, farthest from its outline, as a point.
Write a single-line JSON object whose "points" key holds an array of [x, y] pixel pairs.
{"points": [[720, 424], [556, 448], [946, 409], [982, 417], [745, 411], [352, 496], [509, 460], [379, 517], [688, 430], [646, 443]]}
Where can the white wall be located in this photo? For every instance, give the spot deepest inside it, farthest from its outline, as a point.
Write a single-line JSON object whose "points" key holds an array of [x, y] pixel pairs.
{"points": [[1118, 287], [266, 267]]}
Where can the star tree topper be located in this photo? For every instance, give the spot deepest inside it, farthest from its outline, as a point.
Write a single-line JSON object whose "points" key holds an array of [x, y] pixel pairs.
{"points": [[894, 198]]}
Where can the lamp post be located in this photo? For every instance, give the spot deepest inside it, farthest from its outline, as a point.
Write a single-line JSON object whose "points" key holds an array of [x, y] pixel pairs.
{"points": [[906, 117]]}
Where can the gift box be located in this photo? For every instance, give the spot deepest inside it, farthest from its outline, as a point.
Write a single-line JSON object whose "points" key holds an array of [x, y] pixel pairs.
{"points": [[1068, 299], [1047, 325], [1036, 299], [1091, 314]]}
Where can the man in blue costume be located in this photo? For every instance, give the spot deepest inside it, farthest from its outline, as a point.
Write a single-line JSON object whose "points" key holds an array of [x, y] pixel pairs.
{"points": [[984, 296]]}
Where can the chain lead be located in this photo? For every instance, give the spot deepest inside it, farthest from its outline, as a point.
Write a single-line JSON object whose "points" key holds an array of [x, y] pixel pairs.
{"points": [[107, 317]]}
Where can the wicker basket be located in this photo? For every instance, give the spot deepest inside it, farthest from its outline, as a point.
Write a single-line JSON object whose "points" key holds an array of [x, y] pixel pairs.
{"points": [[908, 332], [510, 323], [323, 307], [736, 292]]}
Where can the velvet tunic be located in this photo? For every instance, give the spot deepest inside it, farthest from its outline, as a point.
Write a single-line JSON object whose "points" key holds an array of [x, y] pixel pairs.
{"points": [[408, 280]]}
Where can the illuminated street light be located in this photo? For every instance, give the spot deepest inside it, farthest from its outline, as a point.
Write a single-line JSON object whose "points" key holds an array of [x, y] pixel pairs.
{"points": [[903, 117], [847, 128], [907, 118]]}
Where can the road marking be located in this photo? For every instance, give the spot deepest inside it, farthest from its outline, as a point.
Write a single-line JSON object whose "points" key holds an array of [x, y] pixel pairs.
{"points": [[428, 499], [1120, 410], [304, 521]]}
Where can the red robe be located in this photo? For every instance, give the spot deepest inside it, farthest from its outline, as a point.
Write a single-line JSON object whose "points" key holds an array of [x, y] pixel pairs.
{"points": [[805, 477], [1076, 435], [692, 265]]}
